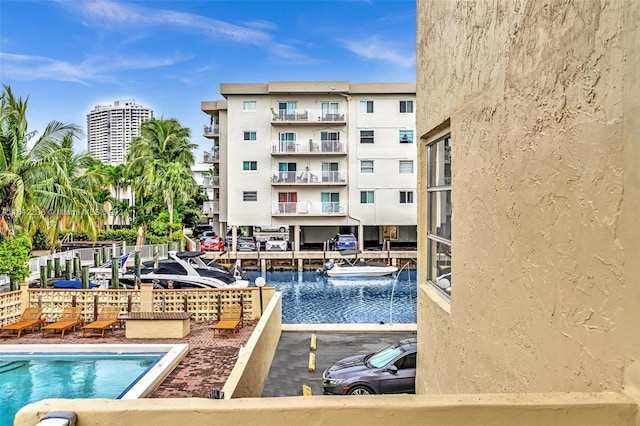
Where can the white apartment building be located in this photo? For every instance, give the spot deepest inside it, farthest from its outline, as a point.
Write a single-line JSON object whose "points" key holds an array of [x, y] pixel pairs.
{"points": [[321, 157], [110, 128]]}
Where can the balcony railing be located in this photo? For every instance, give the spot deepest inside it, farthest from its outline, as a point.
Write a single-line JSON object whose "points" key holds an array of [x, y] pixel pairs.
{"points": [[318, 208], [211, 181], [212, 207], [211, 157], [308, 147], [308, 177], [212, 130], [307, 116]]}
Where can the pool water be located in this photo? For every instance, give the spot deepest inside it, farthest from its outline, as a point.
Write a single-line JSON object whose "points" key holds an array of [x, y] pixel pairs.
{"points": [[309, 298], [26, 378]]}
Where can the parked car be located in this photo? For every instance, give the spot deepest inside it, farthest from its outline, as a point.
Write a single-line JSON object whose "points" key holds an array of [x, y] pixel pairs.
{"points": [[207, 234], [276, 242], [344, 242], [390, 370], [212, 244], [280, 228], [199, 229], [228, 239], [247, 244]]}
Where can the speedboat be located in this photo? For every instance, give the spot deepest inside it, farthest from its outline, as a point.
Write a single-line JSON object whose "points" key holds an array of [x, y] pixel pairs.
{"points": [[188, 270], [355, 267]]}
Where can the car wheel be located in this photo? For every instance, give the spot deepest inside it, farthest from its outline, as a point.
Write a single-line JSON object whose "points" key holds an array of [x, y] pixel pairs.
{"points": [[282, 229], [360, 390], [258, 229]]}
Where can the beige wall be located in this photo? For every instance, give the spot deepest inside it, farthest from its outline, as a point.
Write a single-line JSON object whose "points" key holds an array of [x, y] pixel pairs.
{"points": [[542, 100]]}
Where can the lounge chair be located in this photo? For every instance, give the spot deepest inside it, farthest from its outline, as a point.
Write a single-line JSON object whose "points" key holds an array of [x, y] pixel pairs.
{"points": [[108, 318], [30, 318], [70, 318], [230, 320]]}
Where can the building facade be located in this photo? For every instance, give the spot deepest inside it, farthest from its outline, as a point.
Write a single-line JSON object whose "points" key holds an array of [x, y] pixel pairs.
{"points": [[110, 128], [319, 157]]}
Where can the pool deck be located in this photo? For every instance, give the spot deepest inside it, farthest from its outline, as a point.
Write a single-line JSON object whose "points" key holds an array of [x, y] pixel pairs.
{"points": [[205, 368]]}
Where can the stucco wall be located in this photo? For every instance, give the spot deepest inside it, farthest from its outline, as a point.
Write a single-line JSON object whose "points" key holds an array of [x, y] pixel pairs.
{"points": [[542, 99]]}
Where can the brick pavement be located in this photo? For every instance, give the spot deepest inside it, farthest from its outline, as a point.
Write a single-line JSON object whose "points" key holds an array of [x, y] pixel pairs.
{"points": [[206, 367]]}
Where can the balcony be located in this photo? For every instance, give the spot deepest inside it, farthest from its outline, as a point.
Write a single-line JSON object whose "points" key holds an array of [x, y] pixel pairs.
{"points": [[211, 207], [309, 178], [285, 116], [211, 181], [211, 157], [309, 147], [213, 130], [308, 208]]}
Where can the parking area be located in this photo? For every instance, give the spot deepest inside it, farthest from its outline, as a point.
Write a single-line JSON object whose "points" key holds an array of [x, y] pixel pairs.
{"points": [[289, 369]]}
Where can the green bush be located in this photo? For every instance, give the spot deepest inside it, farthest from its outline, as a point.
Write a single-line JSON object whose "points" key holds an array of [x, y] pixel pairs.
{"points": [[128, 235], [14, 258]]}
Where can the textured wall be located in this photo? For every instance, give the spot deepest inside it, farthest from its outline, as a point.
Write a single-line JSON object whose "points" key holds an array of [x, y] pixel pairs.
{"points": [[544, 121]]}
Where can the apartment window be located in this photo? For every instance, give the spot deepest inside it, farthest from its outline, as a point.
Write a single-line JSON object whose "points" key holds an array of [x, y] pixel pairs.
{"points": [[250, 136], [406, 167], [287, 141], [366, 107], [330, 111], [406, 197], [439, 213], [366, 136], [406, 107], [249, 165], [287, 110], [249, 196], [249, 106], [366, 197], [406, 136], [366, 166]]}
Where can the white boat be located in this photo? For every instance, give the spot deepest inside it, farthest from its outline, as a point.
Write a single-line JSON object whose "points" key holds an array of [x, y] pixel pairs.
{"points": [[188, 270], [356, 267]]}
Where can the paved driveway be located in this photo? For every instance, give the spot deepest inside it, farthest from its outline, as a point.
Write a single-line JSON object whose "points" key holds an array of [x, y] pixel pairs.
{"points": [[289, 369]]}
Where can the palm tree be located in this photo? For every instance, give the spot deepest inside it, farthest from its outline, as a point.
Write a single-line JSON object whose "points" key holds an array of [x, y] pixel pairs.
{"points": [[75, 179], [28, 186], [175, 184]]}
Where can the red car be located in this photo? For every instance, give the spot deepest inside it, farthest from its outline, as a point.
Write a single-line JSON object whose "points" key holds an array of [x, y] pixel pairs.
{"points": [[212, 244]]}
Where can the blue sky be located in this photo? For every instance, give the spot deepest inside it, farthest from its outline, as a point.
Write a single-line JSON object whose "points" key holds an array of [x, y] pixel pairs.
{"points": [[70, 55]]}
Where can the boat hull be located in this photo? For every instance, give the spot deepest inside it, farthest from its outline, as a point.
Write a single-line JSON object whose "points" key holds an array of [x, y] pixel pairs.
{"points": [[360, 271]]}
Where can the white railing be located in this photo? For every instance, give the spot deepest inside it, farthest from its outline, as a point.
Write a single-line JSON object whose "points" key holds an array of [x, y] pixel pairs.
{"points": [[312, 208], [211, 207], [319, 177], [307, 115], [307, 147]]}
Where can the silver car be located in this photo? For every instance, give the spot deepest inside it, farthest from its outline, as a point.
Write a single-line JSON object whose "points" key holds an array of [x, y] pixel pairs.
{"points": [[390, 370]]}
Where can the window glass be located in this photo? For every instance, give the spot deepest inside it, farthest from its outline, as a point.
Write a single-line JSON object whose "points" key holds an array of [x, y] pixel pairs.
{"points": [[250, 136], [406, 166], [406, 106], [366, 166], [406, 197], [366, 136], [249, 196], [383, 357], [249, 106], [366, 107], [406, 136], [366, 197], [249, 165]]}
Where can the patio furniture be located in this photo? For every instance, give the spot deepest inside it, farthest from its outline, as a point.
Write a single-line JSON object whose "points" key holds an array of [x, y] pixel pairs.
{"points": [[31, 318], [230, 320], [108, 318], [70, 318]]}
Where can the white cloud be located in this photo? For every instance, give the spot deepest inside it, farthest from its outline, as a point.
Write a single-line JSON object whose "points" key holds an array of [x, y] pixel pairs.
{"points": [[384, 50]]}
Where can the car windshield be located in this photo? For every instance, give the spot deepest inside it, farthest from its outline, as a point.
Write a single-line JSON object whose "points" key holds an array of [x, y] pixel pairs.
{"points": [[382, 357]]}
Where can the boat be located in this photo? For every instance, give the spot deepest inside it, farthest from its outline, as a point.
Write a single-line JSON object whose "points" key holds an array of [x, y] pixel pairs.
{"points": [[355, 267], [187, 270]]}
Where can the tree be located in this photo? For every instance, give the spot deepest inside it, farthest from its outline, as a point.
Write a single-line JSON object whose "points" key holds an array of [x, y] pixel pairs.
{"points": [[14, 258], [28, 185], [174, 183]]}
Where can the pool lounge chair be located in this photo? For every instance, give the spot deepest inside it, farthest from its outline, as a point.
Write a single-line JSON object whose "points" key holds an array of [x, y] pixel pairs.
{"points": [[108, 318], [70, 318], [31, 318], [230, 320]]}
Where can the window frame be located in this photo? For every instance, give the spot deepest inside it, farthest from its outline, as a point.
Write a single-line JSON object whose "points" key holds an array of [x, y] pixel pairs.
{"points": [[405, 133], [405, 163], [364, 107], [250, 196], [364, 170], [407, 197], [365, 138], [249, 133], [367, 197], [252, 104], [249, 166], [408, 106]]}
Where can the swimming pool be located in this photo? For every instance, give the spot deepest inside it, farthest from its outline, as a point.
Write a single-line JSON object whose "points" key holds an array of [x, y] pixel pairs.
{"points": [[309, 298], [30, 373]]}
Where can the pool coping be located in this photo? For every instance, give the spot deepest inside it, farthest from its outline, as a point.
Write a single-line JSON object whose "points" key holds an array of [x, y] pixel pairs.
{"points": [[174, 353], [351, 328]]}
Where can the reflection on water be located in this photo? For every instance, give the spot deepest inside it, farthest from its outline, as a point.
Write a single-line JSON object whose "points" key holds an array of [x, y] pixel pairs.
{"points": [[308, 298]]}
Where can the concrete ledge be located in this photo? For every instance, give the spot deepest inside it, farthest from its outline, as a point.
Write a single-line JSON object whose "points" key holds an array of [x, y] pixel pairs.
{"points": [[350, 328]]}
